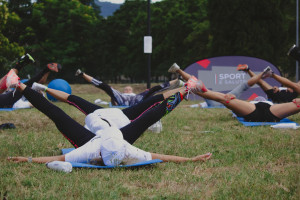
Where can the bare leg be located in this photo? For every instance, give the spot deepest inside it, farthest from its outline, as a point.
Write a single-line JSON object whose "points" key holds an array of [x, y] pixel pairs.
{"points": [[15, 70], [285, 109], [169, 93], [22, 87], [239, 107], [287, 83], [44, 78], [263, 84], [184, 75], [60, 95], [255, 79], [173, 81], [88, 78]]}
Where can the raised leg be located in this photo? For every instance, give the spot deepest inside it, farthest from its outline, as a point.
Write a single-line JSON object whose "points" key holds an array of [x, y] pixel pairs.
{"points": [[263, 84], [239, 107], [137, 110], [134, 130], [72, 130], [184, 75], [81, 104], [286, 109]]}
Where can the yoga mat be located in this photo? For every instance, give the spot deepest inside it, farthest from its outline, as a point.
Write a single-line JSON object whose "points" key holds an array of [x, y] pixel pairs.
{"points": [[7, 109], [85, 165], [11, 109], [112, 106], [245, 123]]}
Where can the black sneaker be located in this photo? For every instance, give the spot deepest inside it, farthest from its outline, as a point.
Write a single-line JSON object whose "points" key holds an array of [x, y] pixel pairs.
{"points": [[24, 60], [294, 52]]}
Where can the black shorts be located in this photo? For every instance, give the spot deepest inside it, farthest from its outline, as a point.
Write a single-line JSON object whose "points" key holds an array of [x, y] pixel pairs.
{"points": [[282, 96], [261, 113]]}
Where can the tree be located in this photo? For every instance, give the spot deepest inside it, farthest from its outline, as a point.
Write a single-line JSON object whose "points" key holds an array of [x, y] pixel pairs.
{"points": [[65, 32], [251, 28], [9, 51]]}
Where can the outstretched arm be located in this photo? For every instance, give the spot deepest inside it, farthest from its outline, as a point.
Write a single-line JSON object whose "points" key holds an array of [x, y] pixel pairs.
{"points": [[38, 159], [178, 159], [286, 82]]}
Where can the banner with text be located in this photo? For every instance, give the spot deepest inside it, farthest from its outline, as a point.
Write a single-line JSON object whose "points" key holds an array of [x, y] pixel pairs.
{"points": [[220, 74]]}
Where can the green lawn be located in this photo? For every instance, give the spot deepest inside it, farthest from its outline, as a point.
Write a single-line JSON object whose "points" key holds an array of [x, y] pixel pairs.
{"points": [[247, 162]]}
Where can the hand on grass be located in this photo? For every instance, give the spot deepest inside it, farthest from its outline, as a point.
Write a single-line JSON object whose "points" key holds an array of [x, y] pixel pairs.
{"points": [[17, 159], [202, 158]]}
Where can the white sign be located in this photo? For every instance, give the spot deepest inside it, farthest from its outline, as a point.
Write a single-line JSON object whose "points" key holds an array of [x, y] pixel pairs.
{"points": [[148, 44]]}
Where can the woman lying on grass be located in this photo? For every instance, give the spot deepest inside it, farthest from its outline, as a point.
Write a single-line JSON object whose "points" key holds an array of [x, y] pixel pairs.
{"points": [[98, 117], [262, 111], [110, 145], [276, 94], [128, 98]]}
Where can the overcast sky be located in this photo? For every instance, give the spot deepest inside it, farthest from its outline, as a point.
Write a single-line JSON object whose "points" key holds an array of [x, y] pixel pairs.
{"points": [[122, 1]]}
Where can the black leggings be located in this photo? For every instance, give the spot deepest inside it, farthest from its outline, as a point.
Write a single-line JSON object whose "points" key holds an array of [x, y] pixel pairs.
{"points": [[149, 92], [106, 88], [131, 112], [78, 135], [7, 100]]}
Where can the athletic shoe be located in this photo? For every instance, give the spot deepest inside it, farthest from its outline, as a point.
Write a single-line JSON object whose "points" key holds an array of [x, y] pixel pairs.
{"points": [[267, 72], [294, 52], [173, 68], [24, 60], [12, 80], [78, 72], [242, 67], [177, 84], [55, 67], [38, 87]]}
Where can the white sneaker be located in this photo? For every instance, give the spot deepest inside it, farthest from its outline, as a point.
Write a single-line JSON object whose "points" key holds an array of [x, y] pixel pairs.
{"points": [[78, 72], [38, 87], [156, 127], [177, 84], [267, 72], [173, 68], [97, 101]]}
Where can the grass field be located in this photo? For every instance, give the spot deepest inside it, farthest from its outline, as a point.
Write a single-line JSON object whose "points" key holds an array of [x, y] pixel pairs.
{"points": [[247, 162]]}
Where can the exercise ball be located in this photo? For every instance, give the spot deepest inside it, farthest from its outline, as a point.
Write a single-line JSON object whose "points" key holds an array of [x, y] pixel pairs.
{"points": [[59, 84]]}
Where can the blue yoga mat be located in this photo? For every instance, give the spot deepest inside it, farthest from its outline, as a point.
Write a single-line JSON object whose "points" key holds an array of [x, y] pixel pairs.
{"points": [[215, 107], [11, 109], [7, 109], [85, 165], [112, 106], [245, 123]]}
